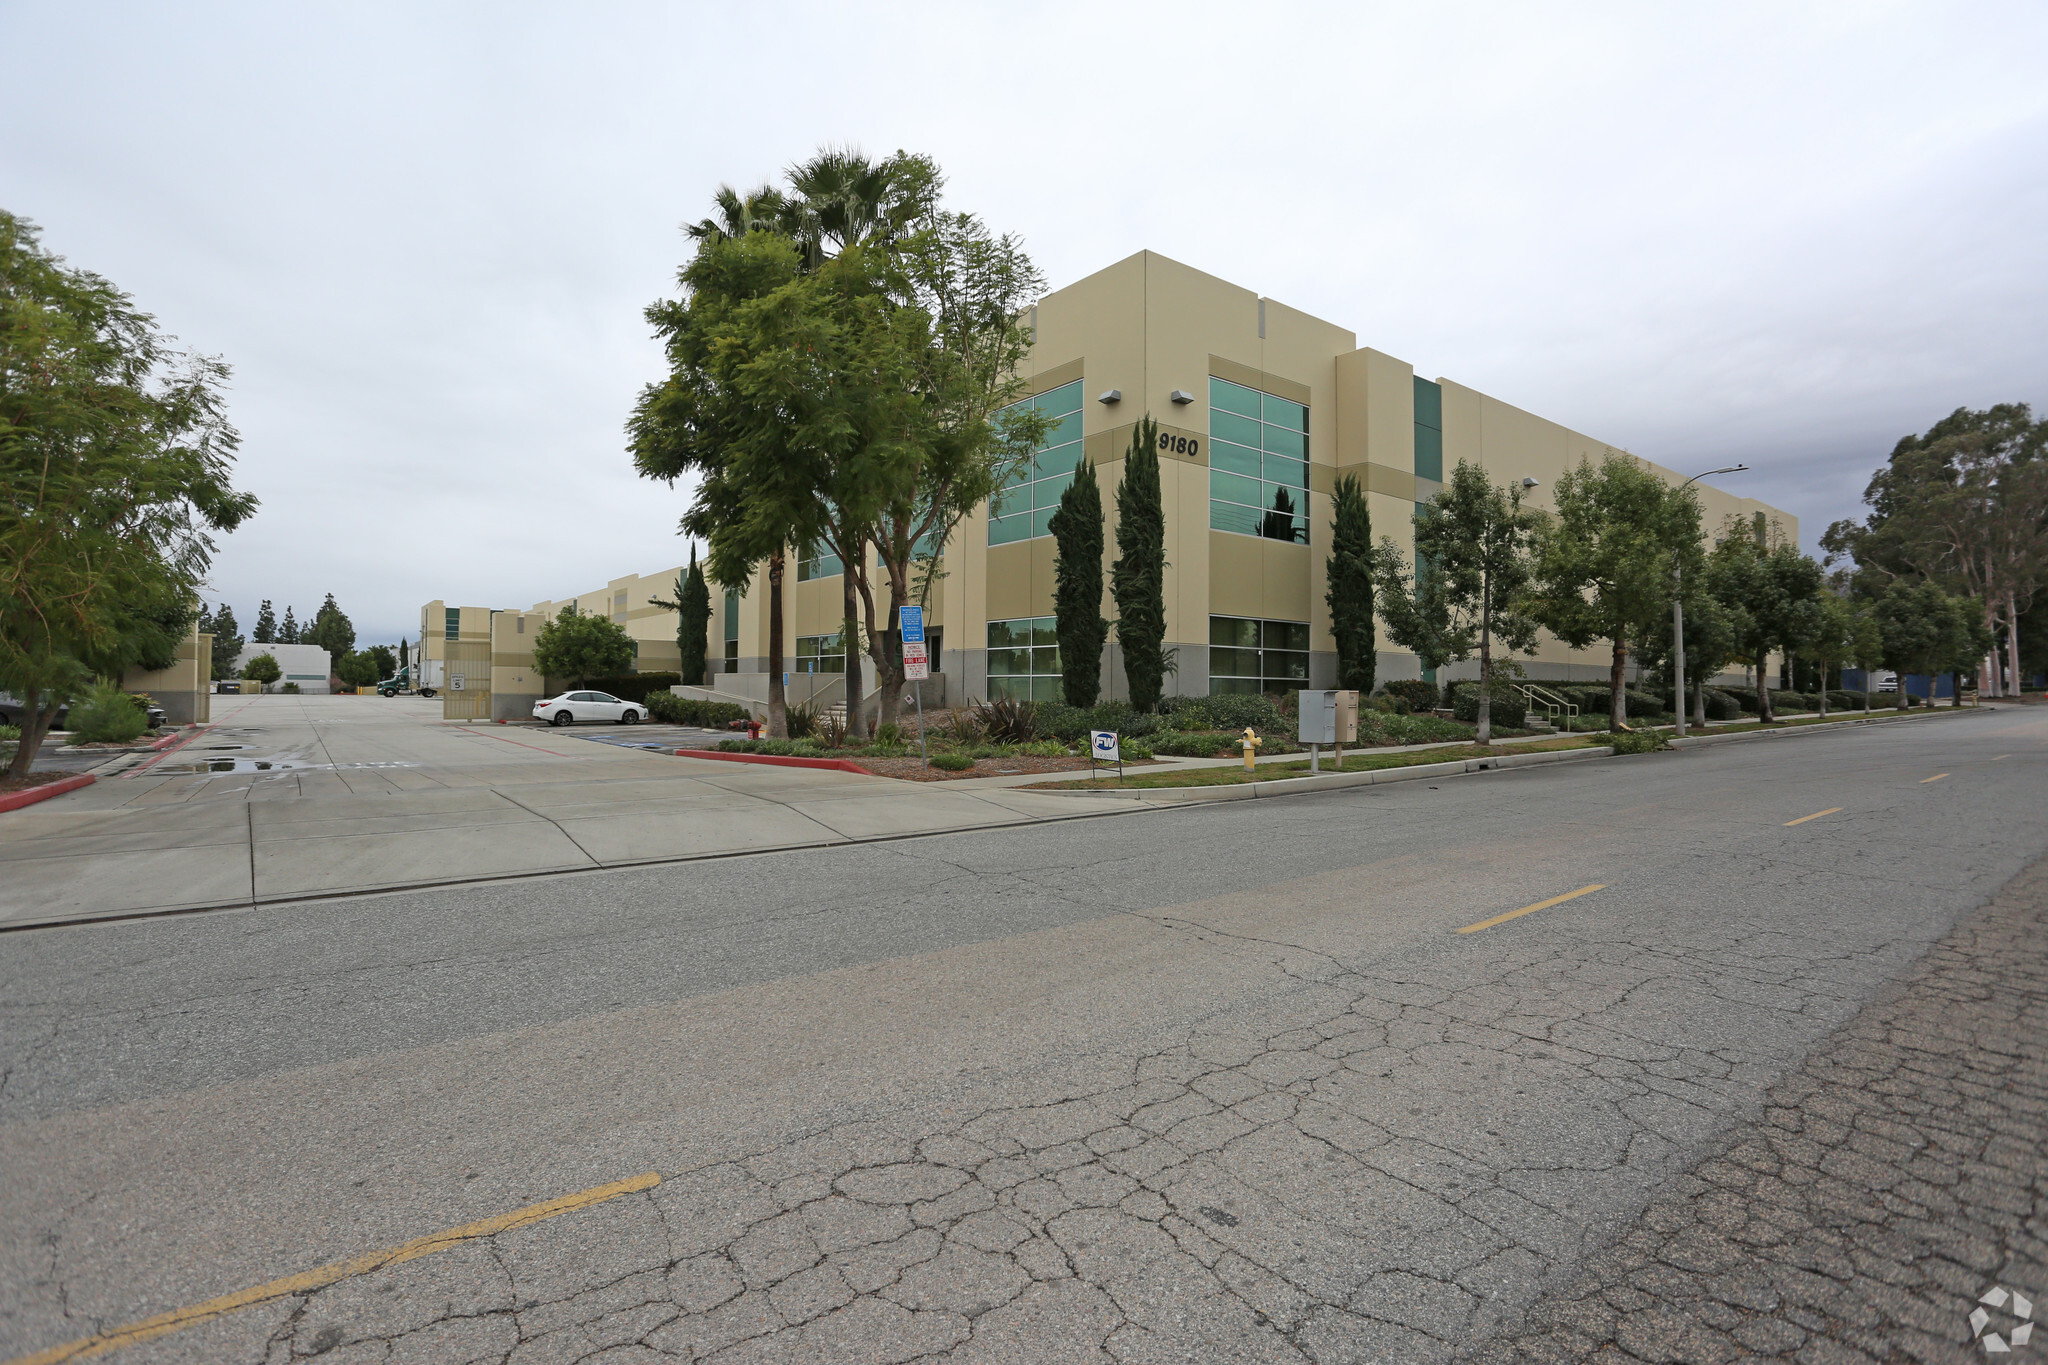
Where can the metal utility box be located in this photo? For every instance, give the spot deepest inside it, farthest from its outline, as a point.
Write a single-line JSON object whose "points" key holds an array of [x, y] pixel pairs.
{"points": [[1328, 717]]}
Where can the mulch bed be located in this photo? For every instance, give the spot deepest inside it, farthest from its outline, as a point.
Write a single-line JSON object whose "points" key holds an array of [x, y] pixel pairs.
{"points": [[10, 785], [914, 770]]}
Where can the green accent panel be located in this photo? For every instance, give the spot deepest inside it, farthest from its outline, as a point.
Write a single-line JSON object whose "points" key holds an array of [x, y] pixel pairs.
{"points": [[1003, 530], [1429, 675], [1293, 473], [1235, 458], [1064, 432], [1235, 488], [1280, 441], [1046, 492], [732, 616], [453, 623], [1010, 502], [1429, 453], [1041, 522], [1281, 412], [1429, 404], [1233, 397], [1056, 463], [1062, 400], [1225, 425], [1233, 517]]}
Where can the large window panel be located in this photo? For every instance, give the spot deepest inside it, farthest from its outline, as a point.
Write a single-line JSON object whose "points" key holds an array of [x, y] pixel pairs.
{"points": [[1025, 507], [1249, 655], [1024, 659], [1258, 457]]}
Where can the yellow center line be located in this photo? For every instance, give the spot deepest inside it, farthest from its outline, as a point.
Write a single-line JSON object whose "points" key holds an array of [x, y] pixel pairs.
{"points": [[178, 1319], [1531, 909], [1831, 810], [1936, 778], [2001, 757]]}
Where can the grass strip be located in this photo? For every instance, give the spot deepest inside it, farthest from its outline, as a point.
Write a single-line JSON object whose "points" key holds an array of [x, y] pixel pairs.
{"points": [[1354, 762]]}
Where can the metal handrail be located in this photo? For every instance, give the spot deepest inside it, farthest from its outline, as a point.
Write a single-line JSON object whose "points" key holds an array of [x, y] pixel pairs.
{"points": [[1553, 706]]}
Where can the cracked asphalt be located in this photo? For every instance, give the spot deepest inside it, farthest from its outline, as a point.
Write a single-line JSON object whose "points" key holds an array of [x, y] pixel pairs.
{"points": [[1220, 1083]]}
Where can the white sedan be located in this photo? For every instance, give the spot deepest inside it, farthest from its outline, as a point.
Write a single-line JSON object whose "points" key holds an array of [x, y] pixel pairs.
{"points": [[571, 707]]}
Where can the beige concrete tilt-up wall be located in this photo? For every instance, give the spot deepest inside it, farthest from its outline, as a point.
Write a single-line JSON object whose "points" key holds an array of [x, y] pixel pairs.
{"points": [[185, 689]]}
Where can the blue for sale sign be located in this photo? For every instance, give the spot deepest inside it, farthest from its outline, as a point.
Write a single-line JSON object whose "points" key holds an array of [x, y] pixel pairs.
{"points": [[911, 619]]}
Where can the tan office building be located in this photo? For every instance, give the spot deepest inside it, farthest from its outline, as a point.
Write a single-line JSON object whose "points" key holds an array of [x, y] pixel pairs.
{"points": [[1261, 408]]}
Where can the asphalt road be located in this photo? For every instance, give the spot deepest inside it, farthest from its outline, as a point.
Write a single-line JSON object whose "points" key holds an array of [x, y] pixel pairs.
{"points": [[1215, 1083]]}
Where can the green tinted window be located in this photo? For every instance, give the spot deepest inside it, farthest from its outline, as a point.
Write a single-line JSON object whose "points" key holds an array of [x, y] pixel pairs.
{"points": [[732, 616], [1429, 453], [1248, 655], [1233, 397], [1024, 659], [1281, 413], [1429, 404], [1258, 458], [454, 622], [1012, 516], [1236, 459]]}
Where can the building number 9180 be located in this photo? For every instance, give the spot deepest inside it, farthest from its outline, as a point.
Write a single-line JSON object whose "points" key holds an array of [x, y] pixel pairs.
{"points": [[1179, 445]]}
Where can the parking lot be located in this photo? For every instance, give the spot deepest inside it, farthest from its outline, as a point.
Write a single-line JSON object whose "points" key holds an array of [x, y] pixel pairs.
{"points": [[291, 797]]}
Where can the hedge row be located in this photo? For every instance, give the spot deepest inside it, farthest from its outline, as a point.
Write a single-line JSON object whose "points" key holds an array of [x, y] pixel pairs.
{"points": [[671, 709]]}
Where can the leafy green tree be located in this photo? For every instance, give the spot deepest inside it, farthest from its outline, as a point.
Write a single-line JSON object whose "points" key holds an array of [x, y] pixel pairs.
{"points": [[1350, 591], [115, 459], [1138, 579], [1605, 561], [331, 630], [262, 669], [581, 646], [288, 630], [1714, 632], [265, 632], [1830, 639], [1773, 584], [1474, 557], [358, 669], [386, 663], [1077, 586], [692, 606], [227, 643]]}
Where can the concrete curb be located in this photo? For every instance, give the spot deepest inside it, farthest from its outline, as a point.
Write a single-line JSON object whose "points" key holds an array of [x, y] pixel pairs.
{"points": [[28, 797], [1289, 786], [837, 765]]}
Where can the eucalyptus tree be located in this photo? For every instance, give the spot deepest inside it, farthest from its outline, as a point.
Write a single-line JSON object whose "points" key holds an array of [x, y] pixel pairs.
{"points": [[115, 463], [1605, 561], [1474, 561]]}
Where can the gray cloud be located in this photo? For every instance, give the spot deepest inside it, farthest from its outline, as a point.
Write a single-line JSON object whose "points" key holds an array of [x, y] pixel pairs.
{"points": [[423, 238]]}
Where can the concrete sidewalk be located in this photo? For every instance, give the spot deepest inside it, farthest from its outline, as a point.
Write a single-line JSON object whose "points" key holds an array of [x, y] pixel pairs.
{"points": [[290, 798]]}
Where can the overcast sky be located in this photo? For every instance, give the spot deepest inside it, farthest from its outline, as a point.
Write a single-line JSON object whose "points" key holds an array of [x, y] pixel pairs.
{"points": [[423, 235]]}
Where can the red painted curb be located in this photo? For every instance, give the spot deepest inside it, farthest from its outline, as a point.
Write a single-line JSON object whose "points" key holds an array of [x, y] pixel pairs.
{"points": [[16, 800], [776, 760]]}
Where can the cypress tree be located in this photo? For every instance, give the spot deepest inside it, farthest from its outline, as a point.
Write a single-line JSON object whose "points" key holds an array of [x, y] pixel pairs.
{"points": [[266, 625], [1350, 587], [694, 601], [1077, 586], [1138, 581]]}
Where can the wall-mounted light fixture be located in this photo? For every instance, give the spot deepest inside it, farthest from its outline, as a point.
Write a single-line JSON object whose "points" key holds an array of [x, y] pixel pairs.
{"points": [[1181, 396], [1110, 396], [1530, 483]]}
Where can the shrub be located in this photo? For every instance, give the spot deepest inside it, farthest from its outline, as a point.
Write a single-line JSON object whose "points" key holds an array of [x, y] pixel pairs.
{"points": [[1420, 693], [634, 686], [951, 763], [1057, 720], [889, 736], [1721, 706], [670, 709], [802, 721], [1844, 701], [9, 734], [1638, 741], [1006, 720], [290, 688], [1507, 712], [108, 716], [1196, 743], [1135, 752], [1227, 711], [1396, 728]]}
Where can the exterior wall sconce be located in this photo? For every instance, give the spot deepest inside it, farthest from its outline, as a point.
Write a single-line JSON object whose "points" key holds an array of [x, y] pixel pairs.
{"points": [[1530, 483], [1181, 396], [1111, 396]]}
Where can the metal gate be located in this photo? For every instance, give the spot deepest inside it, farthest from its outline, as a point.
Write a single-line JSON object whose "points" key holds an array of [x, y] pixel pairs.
{"points": [[466, 683]]}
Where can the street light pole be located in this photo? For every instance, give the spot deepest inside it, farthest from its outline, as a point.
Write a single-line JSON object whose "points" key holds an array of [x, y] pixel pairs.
{"points": [[1678, 612]]}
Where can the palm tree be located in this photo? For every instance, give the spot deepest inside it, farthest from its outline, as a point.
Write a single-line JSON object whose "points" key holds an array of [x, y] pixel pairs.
{"points": [[762, 209], [843, 198]]}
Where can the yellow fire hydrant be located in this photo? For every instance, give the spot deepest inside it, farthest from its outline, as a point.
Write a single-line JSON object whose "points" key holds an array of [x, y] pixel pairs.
{"points": [[1251, 742]]}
